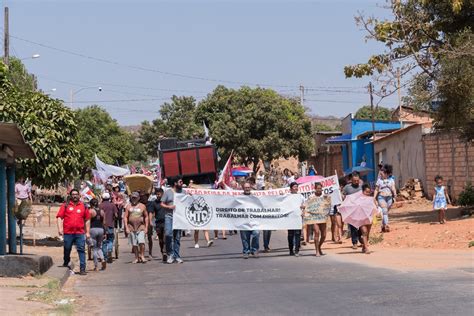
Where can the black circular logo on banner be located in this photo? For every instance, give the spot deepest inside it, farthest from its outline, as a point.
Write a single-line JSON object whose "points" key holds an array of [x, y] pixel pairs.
{"points": [[199, 213]]}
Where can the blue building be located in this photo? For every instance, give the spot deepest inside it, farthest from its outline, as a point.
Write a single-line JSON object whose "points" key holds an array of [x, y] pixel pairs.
{"points": [[356, 141]]}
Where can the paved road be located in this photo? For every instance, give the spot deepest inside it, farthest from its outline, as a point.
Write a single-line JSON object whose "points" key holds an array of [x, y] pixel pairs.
{"points": [[217, 281]]}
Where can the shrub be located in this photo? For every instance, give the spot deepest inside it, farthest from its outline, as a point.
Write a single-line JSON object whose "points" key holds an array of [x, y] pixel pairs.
{"points": [[466, 197]]}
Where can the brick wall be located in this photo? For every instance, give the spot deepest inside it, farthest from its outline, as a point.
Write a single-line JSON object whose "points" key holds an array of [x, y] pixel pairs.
{"points": [[446, 155], [326, 162]]}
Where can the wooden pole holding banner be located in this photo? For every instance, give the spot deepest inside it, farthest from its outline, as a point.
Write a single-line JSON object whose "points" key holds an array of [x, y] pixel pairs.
{"points": [[34, 229], [337, 176]]}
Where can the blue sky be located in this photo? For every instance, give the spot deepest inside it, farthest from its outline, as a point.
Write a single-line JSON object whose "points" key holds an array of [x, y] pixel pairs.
{"points": [[148, 45]]}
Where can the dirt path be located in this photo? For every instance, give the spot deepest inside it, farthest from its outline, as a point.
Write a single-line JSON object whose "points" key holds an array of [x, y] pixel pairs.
{"points": [[416, 226]]}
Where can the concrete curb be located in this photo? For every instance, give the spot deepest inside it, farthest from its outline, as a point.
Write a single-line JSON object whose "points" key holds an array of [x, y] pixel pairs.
{"points": [[60, 273], [21, 265], [66, 275]]}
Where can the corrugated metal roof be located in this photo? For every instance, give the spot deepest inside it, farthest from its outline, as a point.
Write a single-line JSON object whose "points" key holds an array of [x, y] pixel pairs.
{"points": [[339, 139]]}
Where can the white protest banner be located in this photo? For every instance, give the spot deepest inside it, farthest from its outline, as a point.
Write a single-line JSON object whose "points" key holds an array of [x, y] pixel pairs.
{"points": [[330, 187], [236, 212]]}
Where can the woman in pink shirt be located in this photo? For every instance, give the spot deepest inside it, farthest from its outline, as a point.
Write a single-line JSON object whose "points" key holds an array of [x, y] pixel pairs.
{"points": [[22, 190]]}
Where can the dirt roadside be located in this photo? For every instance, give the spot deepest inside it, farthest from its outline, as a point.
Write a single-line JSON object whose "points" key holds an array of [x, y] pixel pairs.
{"points": [[416, 241]]}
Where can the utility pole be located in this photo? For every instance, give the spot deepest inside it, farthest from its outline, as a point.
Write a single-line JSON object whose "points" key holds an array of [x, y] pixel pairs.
{"points": [[399, 98], [6, 40], [373, 125], [302, 95]]}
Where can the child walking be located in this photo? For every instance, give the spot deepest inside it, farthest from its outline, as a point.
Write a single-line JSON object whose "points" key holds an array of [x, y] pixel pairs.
{"points": [[440, 199]]}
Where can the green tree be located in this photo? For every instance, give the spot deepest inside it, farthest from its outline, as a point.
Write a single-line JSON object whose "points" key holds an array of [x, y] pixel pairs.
{"points": [[99, 134], [455, 87], [256, 124], [380, 113], [426, 39], [48, 126], [19, 76], [319, 127], [177, 119]]}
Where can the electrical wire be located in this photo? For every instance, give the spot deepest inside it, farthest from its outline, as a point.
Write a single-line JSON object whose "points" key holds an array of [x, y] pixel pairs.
{"points": [[168, 73]]}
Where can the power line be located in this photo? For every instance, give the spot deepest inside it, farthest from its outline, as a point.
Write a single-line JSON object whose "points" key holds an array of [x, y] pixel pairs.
{"points": [[122, 100], [168, 73], [332, 101], [115, 85]]}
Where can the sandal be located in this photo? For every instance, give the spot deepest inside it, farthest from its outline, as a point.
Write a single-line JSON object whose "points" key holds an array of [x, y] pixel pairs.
{"points": [[135, 261]]}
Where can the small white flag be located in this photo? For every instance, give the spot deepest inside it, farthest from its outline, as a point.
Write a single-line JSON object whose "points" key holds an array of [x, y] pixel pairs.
{"points": [[206, 130]]}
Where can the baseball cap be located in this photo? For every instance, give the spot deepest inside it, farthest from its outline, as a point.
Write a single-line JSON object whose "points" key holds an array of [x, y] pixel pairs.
{"points": [[135, 194], [105, 196]]}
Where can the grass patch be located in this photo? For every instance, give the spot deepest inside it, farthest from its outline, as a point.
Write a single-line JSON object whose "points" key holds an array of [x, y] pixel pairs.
{"points": [[375, 239], [65, 309], [51, 294]]}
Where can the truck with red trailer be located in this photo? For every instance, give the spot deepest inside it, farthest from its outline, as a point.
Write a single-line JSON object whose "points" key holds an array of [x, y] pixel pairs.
{"points": [[191, 159]]}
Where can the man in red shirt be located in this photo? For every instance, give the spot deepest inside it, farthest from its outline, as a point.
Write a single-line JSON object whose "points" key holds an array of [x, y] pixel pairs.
{"points": [[74, 219]]}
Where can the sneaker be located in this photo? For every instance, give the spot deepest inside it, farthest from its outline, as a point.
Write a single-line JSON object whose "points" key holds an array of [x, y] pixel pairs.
{"points": [[179, 260], [255, 254], [83, 272], [165, 258], [170, 260], [104, 265], [354, 246], [246, 256], [210, 242], [196, 246], [292, 253], [297, 254]]}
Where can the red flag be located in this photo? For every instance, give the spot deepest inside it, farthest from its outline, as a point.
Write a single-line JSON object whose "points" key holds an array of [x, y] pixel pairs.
{"points": [[226, 174]]}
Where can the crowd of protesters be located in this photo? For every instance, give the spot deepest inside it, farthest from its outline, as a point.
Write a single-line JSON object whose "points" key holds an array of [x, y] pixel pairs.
{"points": [[141, 216]]}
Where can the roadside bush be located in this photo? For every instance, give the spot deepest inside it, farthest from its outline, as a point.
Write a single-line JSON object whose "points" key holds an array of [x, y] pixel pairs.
{"points": [[466, 198]]}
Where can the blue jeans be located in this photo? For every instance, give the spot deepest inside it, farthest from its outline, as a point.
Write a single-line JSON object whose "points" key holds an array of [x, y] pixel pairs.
{"points": [[172, 238], [79, 240], [267, 234], [385, 202], [108, 244], [250, 239]]}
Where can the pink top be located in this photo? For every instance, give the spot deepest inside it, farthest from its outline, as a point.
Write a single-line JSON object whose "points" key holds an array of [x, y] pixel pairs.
{"points": [[22, 191]]}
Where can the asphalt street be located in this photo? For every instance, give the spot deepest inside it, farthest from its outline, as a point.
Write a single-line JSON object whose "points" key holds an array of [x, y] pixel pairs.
{"points": [[217, 281]]}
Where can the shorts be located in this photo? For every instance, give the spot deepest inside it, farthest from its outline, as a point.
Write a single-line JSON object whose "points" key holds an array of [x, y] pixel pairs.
{"points": [[136, 238], [333, 211]]}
